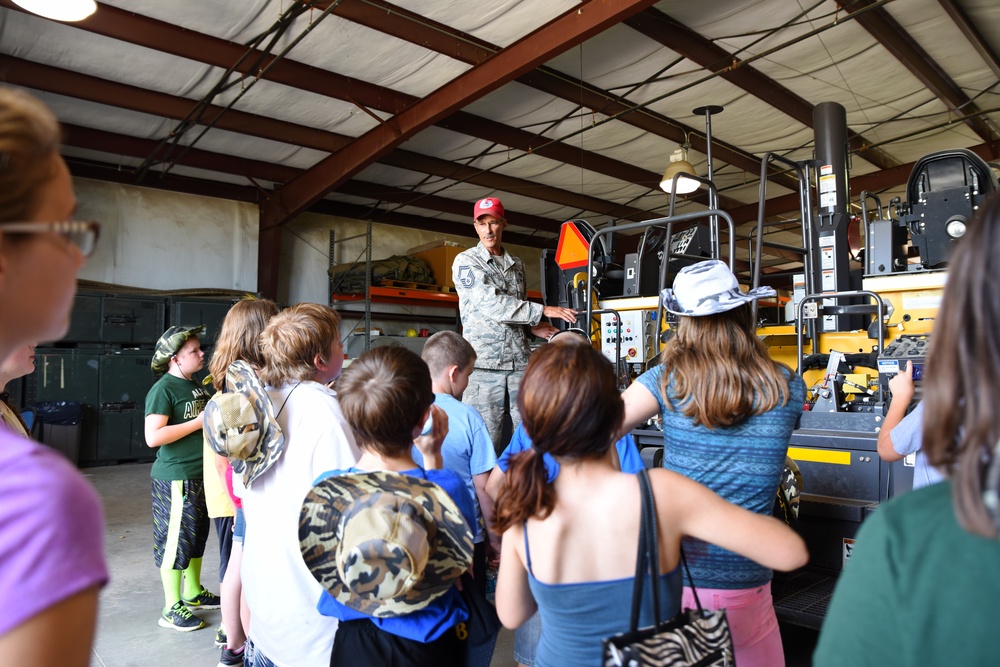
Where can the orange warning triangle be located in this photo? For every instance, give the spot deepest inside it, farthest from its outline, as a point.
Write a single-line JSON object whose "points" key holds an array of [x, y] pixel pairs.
{"points": [[573, 250]]}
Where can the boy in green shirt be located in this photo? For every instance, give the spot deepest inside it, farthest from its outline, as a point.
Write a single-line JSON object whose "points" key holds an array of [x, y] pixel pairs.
{"points": [[174, 409]]}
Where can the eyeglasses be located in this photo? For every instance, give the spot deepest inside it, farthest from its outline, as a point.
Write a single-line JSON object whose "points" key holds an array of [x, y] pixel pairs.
{"points": [[81, 233]]}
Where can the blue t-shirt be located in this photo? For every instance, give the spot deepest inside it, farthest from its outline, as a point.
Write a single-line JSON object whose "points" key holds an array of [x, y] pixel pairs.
{"points": [[628, 454], [429, 623], [742, 463], [907, 437], [467, 449]]}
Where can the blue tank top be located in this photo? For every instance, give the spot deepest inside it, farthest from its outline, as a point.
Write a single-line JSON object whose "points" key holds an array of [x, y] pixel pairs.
{"points": [[576, 617]]}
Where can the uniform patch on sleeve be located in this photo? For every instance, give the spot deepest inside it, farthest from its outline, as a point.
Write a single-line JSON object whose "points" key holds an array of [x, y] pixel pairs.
{"points": [[466, 276]]}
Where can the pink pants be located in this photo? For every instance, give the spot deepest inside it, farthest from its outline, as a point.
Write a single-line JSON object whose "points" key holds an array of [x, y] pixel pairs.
{"points": [[752, 622]]}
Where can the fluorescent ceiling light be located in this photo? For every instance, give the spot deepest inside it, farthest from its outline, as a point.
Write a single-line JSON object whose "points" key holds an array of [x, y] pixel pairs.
{"points": [[60, 10]]}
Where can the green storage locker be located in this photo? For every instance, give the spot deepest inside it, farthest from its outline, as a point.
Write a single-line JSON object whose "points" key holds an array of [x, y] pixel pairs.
{"points": [[125, 379], [210, 312], [132, 320], [70, 375], [85, 319]]}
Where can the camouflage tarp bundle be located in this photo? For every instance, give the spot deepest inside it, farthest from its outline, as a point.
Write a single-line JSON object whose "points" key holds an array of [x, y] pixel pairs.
{"points": [[350, 278]]}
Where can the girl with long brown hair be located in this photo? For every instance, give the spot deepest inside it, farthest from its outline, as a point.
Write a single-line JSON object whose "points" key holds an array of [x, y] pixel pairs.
{"points": [[569, 545], [922, 586], [728, 412]]}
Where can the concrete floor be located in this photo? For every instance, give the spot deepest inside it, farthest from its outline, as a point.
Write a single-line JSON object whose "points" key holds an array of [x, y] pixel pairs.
{"points": [[127, 630]]}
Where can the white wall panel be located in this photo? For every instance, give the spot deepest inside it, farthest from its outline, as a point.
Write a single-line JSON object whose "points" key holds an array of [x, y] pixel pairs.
{"points": [[166, 240]]}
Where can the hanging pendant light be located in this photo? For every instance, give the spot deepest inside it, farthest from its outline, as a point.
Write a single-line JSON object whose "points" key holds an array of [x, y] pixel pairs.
{"points": [[679, 165], [59, 10]]}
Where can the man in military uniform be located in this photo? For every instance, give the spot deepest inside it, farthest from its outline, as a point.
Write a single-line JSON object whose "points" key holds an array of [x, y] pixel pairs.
{"points": [[496, 319]]}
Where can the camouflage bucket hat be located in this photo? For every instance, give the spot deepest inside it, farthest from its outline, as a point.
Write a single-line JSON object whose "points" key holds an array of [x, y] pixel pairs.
{"points": [[382, 543], [240, 424], [170, 342]]}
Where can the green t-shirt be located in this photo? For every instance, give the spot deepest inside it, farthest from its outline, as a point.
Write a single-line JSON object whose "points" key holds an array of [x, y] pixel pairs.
{"points": [[181, 400], [918, 590]]}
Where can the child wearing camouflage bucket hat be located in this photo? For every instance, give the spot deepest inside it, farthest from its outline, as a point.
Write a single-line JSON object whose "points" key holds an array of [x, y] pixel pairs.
{"points": [[174, 407], [386, 538]]}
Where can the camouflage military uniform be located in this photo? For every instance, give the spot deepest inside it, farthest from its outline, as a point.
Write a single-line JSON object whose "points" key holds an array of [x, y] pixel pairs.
{"points": [[495, 321]]}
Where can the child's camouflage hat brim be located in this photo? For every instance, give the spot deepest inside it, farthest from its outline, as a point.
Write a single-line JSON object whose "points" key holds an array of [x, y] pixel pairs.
{"points": [[362, 570], [169, 344]]}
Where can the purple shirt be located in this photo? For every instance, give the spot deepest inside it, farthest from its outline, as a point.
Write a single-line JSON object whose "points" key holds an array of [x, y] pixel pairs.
{"points": [[51, 531]]}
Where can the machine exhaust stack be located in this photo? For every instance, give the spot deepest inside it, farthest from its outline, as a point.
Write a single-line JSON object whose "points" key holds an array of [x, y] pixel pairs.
{"points": [[831, 272]]}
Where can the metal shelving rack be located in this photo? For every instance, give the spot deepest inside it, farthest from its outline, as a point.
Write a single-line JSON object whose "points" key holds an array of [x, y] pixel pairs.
{"points": [[388, 295]]}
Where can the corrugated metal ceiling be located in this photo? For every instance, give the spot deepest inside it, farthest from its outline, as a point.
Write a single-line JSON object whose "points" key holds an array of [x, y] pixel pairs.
{"points": [[413, 99]]}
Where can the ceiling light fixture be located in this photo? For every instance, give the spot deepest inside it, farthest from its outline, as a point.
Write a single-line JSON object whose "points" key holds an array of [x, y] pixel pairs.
{"points": [[59, 10], [679, 165]]}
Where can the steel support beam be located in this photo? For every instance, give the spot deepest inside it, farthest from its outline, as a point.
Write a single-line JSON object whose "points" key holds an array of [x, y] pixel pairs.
{"points": [[111, 93], [120, 144], [679, 38], [564, 32], [494, 181], [51, 79], [379, 192], [876, 181], [120, 24], [971, 32], [55, 80], [355, 212], [133, 28], [490, 130], [81, 137], [126, 26], [451, 42], [880, 24], [410, 27], [100, 171]]}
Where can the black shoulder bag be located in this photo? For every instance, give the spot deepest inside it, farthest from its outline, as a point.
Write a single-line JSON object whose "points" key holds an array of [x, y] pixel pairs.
{"points": [[695, 637]]}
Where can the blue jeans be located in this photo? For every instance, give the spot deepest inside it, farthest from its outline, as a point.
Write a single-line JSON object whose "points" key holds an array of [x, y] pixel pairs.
{"points": [[239, 526], [526, 640], [252, 657]]}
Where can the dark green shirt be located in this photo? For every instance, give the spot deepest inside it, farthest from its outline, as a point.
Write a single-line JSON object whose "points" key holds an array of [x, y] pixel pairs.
{"points": [[917, 590], [181, 401]]}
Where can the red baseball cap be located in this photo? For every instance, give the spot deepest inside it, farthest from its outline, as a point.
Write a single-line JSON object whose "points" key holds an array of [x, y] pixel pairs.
{"points": [[488, 206]]}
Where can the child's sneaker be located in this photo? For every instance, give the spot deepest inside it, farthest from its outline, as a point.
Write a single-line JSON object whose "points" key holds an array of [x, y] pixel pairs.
{"points": [[203, 600], [220, 637], [180, 618], [231, 658]]}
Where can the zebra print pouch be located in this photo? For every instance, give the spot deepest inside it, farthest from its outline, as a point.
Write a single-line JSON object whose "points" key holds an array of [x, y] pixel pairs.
{"points": [[693, 638]]}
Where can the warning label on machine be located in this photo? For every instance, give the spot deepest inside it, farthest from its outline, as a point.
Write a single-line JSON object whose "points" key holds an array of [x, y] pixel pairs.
{"points": [[848, 547], [827, 187]]}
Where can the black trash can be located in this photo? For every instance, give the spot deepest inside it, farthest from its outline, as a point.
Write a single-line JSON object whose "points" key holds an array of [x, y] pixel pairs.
{"points": [[60, 426]]}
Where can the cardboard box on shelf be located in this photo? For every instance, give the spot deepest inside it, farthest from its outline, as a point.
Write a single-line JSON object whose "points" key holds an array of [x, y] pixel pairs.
{"points": [[440, 255]]}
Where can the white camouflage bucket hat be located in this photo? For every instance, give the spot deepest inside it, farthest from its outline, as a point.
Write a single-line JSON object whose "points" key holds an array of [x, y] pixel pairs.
{"points": [[707, 288], [240, 424]]}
